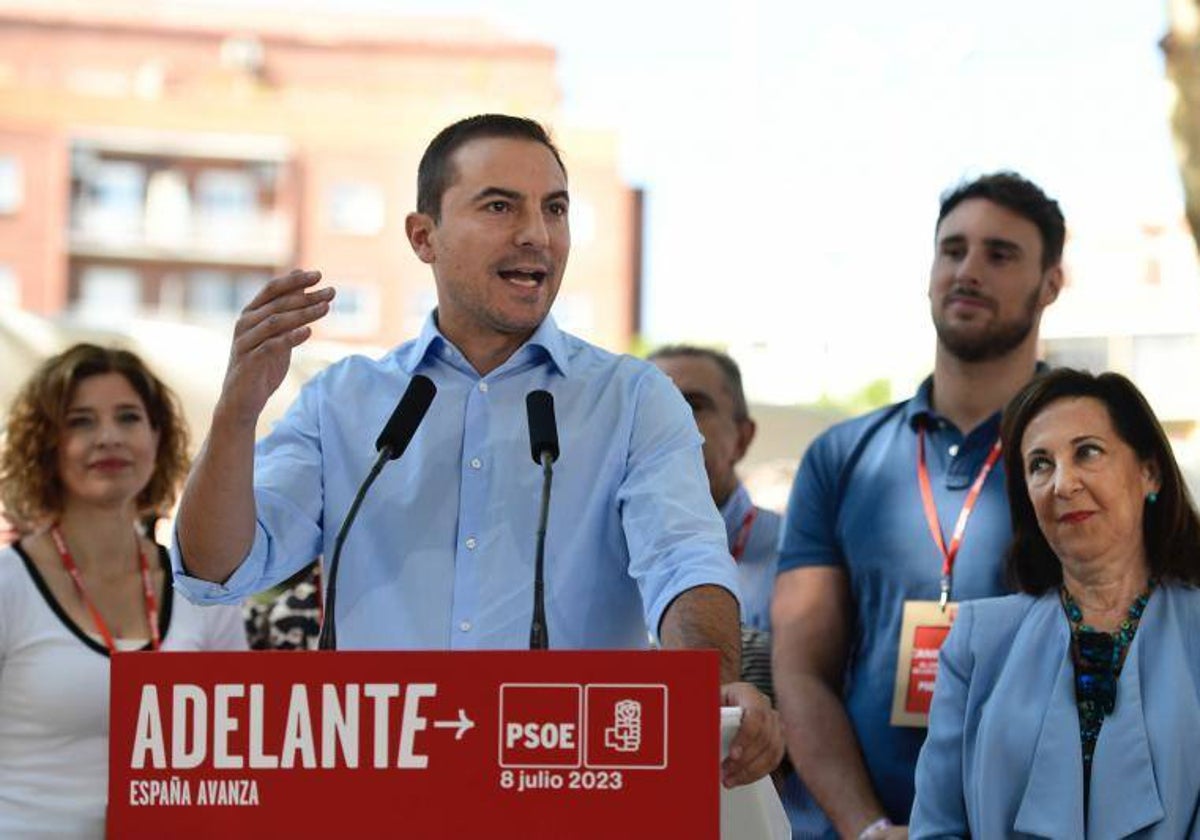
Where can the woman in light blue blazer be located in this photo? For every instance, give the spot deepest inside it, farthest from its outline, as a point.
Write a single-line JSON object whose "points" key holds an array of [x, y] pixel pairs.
{"points": [[1072, 710]]}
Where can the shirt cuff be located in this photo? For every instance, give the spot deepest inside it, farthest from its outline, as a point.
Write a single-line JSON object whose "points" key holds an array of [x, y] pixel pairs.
{"points": [[658, 609], [236, 588]]}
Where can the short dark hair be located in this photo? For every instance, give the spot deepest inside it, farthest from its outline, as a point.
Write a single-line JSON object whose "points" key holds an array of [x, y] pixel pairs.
{"points": [[436, 173], [1018, 195], [728, 367], [1170, 526], [30, 486]]}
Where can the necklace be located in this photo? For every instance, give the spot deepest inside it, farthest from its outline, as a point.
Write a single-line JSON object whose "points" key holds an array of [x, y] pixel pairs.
{"points": [[1120, 639], [1098, 657], [77, 578]]}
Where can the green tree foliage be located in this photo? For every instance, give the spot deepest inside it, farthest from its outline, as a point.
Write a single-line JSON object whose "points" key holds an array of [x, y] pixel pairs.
{"points": [[874, 394]]}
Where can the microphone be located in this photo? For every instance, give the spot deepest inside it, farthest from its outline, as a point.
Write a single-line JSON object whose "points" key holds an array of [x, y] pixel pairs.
{"points": [[391, 443], [409, 413], [543, 446], [543, 434]]}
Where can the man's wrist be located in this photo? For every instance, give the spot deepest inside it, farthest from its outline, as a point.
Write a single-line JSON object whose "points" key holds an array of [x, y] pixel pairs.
{"points": [[232, 419], [876, 829]]}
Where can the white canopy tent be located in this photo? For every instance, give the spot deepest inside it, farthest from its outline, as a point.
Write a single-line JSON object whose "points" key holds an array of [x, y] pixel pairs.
{"points": [[191, 359]]}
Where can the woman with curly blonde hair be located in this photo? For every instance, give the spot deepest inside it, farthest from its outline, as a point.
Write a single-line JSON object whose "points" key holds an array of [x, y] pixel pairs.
{"points": [[95, 445]]}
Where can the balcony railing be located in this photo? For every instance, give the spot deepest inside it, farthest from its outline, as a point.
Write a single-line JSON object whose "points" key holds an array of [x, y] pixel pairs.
{"points": [[259, 239]]}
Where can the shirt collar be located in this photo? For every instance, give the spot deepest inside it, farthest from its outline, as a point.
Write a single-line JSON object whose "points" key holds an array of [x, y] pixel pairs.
{"points": [[429, 340], [920, 407], [552, 341], [735, 509], [547, 338]]}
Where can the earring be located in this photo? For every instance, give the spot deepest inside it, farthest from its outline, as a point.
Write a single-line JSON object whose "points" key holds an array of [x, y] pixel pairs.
{"points": [[1151, 497]]}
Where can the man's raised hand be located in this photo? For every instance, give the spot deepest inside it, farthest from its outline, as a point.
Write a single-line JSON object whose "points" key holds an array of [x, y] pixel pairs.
{"points": [[278, 319]]}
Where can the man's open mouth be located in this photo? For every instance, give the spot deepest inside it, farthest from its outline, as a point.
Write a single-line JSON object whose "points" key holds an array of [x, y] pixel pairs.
{"points": [[529, 278]]}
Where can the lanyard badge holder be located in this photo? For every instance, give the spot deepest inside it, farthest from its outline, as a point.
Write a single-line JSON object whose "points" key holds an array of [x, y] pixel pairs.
{"points": [[925, 624]]}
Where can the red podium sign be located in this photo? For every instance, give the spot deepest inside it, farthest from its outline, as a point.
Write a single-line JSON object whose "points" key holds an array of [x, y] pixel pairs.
{"points": [[463, 744]]}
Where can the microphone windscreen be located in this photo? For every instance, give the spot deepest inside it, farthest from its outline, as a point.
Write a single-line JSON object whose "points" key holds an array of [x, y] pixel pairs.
{"points": [[543, 433], [409, 413]]}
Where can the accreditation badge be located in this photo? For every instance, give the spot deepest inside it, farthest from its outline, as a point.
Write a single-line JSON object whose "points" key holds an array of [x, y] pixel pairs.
{"points": [[922, 631]]}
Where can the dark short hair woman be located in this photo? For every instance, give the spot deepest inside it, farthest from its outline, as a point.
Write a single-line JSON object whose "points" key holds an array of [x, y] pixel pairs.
{"points": [[95, 447], [1073, 708]]}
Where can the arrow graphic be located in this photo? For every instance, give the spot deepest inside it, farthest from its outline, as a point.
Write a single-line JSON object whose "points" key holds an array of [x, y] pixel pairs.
{"points": [[462, 724]]}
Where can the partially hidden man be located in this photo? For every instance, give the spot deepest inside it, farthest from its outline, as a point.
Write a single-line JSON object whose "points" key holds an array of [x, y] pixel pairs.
{"points": [[711, 382]]}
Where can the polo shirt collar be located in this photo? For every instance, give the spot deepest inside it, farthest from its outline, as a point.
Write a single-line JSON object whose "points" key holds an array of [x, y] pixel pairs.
{"points": [[920, 408]]}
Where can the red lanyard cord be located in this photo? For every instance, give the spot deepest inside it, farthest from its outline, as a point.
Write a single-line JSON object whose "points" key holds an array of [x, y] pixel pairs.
{"points": [[931, 514], [743, 536], [147, 588]]}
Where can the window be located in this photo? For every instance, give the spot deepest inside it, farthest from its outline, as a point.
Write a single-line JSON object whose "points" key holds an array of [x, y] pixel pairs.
{"points": [[226, 193], [356, 207], [226, 209], [113, 198], [355, 311], [246, 286], [219, 295], [209, 292], [109, 292]]}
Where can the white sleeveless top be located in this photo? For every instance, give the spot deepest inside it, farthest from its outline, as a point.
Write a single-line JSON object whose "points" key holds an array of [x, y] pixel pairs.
{"points": [[54, 700]]}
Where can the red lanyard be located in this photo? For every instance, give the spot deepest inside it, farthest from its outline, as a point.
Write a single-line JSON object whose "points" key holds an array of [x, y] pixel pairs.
{"points": [[931, 515], [147, 587], [743, 537]]}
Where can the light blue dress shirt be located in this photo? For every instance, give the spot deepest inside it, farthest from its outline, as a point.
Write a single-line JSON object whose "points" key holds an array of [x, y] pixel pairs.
{"points": [[760, 555], [441, 554]]}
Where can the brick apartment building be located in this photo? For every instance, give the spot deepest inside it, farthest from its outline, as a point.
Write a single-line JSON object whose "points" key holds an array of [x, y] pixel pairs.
{"points": [[159, 159]]}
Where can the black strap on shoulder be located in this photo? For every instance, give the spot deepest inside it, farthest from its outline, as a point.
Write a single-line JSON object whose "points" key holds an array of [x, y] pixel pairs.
{"points": [[860, 446]]}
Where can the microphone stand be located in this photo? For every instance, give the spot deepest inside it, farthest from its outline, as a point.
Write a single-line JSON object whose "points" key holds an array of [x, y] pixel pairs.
{"points": [[539, 638], [328, 637]]}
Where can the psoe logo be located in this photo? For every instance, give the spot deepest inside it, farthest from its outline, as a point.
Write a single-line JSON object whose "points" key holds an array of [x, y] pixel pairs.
{"points": [[626, 726], [625, 735]]}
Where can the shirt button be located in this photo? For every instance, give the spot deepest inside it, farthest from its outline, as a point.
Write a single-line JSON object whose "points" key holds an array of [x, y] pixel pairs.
{"points": [[476, 463], [471, 543], [483, 386], [464, 626], [953, 450]]}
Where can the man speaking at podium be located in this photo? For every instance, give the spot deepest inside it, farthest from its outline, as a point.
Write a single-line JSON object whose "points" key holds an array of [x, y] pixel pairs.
{"points": [[442, 552]]}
